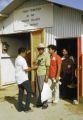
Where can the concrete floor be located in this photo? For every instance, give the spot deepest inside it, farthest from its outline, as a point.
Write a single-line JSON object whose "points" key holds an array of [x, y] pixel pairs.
{"points": [[62, 111]]}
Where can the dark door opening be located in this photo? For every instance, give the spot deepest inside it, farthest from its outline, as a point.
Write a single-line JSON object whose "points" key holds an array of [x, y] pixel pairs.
{"points": [[14, 42], [71, 45]]}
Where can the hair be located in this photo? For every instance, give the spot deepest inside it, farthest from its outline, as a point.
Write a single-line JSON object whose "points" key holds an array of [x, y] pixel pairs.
{"points": [[21, 50], [68, 51], [53, 47]]}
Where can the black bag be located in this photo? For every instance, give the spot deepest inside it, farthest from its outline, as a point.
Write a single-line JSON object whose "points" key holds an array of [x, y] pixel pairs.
{"points": [[67, 66]]}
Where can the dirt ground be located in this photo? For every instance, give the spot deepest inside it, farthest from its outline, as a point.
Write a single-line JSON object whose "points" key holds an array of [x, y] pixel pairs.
{"points": [[64, 110]]}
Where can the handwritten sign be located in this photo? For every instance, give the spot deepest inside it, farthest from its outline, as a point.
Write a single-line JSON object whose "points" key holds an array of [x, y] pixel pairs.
{"points": [[33, 17]]}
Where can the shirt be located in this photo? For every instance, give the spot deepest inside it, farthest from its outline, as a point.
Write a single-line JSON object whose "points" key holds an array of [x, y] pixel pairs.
{"points": [[42, 61], [20, 66], [55, 60]]}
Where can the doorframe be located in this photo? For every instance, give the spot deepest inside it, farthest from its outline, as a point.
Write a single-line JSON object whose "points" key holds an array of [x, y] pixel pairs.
{"points": [[80, 68], [42, 32]]}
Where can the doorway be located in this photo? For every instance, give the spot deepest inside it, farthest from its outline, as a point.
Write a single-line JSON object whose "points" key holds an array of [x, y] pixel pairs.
{"points": [[14, 42], [71, 45]]}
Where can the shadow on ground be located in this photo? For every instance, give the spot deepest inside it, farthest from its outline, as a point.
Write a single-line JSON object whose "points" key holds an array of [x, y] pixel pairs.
{"points": [[13, 100]]}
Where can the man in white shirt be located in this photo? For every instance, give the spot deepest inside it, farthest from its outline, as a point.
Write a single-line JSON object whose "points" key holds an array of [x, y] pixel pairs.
{"points": [[21, 76]]}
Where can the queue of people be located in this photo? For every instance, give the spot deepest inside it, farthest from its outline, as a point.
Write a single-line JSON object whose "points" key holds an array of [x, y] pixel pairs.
{"points": [[49, 68]]}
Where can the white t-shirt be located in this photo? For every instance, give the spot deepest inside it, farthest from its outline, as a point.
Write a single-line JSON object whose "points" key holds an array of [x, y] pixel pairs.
{"points": [[20, 66]]}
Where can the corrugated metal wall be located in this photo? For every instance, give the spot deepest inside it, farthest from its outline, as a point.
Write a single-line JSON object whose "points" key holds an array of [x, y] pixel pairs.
{"points": [[50, 37], [68, 23]]}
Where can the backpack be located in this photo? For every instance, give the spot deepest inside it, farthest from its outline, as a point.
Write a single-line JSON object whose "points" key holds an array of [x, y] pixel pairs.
{"points": [[67, 66]]}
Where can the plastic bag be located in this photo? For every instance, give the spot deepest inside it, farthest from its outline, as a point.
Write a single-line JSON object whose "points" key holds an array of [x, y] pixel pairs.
{"points": [[46, 93]]}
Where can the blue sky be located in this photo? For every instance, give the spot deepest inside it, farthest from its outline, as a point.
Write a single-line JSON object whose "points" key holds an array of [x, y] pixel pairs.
{"points": [[4, 3], [78, 4]]}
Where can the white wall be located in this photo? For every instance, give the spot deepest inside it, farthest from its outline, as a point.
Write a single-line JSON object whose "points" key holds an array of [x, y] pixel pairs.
{"points": [[7, 60], [7, 71], [1, 28], [8, 25]]}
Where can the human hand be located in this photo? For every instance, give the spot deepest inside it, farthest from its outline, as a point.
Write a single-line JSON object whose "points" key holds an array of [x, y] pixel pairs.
{"points": [[34, 62], [35, 67], [46, 79], [58, 78], [54, 80]]}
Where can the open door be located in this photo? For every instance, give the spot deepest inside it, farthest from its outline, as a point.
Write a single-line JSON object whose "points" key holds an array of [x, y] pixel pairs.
{"points": [[36, 38], [80, 68]]}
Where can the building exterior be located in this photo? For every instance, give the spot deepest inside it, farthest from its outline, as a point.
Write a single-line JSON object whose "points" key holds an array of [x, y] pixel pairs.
{"points": [[29, 22]]}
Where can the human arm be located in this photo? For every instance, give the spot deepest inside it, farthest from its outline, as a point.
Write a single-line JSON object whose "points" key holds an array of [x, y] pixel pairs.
{"points": [[47, 67], [26, 68], [58, 71], [30, 69], [47, 74], [58, 62]]}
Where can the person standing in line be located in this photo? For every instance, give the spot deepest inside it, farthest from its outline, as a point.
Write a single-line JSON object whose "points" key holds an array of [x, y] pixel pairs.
{"points": [[67, 73], [21, 76], [54, 72], [66, 55], [43, 63]]}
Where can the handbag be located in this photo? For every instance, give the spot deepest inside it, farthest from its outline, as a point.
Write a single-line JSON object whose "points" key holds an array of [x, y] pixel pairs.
{"points": [[46, 93]]}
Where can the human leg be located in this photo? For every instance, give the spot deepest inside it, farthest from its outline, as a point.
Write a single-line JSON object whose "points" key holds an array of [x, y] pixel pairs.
{"points": [[51, 86], [56, 93], [38, 93], [20, 97], [39, 86], [27, 87], [64, 87]]}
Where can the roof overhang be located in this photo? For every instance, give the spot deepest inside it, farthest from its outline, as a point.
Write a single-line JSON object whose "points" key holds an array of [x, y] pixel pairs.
{"points": [[3, 16], [10, 8]]}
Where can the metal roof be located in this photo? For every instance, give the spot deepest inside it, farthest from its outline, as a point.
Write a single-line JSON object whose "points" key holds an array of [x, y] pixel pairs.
{"points": [[76, 4], [10, 8], [4, 3]]}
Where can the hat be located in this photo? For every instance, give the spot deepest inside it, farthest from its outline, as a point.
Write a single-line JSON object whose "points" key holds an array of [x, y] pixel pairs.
{"points": [[41, 45]]}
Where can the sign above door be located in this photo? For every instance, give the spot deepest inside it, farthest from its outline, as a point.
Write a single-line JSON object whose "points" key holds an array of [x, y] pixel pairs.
{"points": [[33, 17]]}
